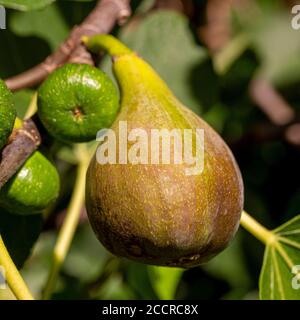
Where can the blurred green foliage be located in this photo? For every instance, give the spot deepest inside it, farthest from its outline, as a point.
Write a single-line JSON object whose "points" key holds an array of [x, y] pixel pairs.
{"points": [[170, 43]]}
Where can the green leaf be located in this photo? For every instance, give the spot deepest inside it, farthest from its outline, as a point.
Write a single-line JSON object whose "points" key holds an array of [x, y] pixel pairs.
{"points": [[165, 40], [274, 40], [67, 154], [20, 53], [19, 233], [230, 266], [144, 6], [22, 100], [280, 274], [165, 281], [114, 288], [138, 279], [36, 23], [216, 116], [36, 268], [84, 262], [26, 5], [86, 257]]}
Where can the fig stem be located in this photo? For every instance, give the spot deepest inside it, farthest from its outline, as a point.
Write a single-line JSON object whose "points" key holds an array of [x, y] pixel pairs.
{"points": [[70, 223], [106, 42], [256, 229], [224, 59], [32, 107], [12, 275]]}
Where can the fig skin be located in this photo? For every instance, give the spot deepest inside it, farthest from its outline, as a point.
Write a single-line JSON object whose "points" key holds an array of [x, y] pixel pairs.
{"points": [[7, 113], [33, 188], [76, 101], [156, 214]]}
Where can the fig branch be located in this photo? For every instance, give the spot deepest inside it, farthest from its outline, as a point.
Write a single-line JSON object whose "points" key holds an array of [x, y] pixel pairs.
{"points": [[13, 277], [101, 20], [24, 140]]}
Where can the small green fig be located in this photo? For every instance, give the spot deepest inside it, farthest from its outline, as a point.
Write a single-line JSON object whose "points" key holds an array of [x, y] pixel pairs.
{"points": [[157, 213], [33, 188], [76, 101], [7, 114]]}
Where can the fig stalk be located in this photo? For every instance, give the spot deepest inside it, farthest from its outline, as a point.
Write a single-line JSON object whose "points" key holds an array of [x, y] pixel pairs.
{"points": [[70, 223], [13, 277]]}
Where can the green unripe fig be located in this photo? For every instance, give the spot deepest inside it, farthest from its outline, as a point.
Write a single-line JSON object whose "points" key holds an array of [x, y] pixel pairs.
{"points": [[7, 114], [76, 101], [33, 188], [157, 213]]}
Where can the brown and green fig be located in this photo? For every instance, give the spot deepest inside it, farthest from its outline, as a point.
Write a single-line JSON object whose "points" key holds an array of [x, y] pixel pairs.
{"points": [[156, 213]]}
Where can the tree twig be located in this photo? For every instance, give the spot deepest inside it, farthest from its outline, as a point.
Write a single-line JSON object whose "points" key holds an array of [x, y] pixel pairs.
{"points": [[101, 20], [270, 102], [217, 36], [292, 134], [276, 109]]}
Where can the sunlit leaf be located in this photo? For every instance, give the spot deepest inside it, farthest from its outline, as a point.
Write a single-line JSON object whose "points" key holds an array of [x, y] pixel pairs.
{"points": [[86, 257], [34, 23], [139, 280], [275, 41], [230, 265], [36, 268], [114, 288], [22, 99], [84, 261], [280, 275], [66, 153], [26, 5], [165, 281]]}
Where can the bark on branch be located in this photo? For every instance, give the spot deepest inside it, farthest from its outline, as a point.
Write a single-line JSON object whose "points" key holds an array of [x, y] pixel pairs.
{"points": [[24, 142]]}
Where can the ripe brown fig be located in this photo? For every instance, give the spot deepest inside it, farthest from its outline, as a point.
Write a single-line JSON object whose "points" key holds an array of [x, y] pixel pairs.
{"points": [[159, 213]]}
